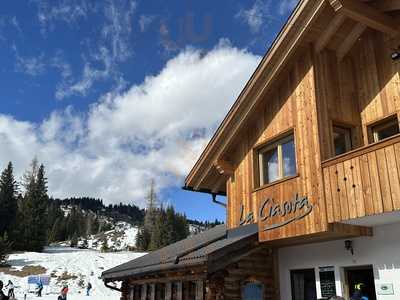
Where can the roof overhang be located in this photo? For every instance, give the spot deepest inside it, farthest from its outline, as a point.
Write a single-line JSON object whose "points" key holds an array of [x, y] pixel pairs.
{"points": [[206, 252], [205, 175]]}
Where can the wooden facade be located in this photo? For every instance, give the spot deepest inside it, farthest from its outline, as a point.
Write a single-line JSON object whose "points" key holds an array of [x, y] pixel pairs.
{"points": [[331, 66]]}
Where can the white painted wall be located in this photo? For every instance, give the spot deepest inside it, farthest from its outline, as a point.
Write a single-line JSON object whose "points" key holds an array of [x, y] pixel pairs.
{"points": [[382, 251]]}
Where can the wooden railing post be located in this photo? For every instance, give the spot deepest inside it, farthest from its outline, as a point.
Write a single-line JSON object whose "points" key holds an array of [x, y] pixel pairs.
{"points": [[179, 290], [199, 290], [168, 291], [144, 291], [132, 293], [153, 291]]}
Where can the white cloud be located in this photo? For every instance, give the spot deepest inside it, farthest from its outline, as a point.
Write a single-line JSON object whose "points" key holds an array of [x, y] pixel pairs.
{"points": [[256, 16], [118, 27], [66, 11], [264, 12], [32, 66], [113, 48], [154, 130]]}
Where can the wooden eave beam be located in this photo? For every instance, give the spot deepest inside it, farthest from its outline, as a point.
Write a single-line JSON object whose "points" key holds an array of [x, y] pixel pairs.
{"points": [[366, 15], [385, 5], [221, 181], [224, 167], [350, 40], [327, 35]]}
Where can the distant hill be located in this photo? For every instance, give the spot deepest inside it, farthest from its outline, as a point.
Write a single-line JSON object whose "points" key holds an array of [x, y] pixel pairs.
{"points": [[88, 223]]}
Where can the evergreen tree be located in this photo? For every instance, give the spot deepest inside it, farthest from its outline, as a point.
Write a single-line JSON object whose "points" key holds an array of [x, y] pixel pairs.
{"points": [[160, 233], [8, 200], [57, 232], [5, 248], [104, 245], [32, 224], [151, 211], [74, 240], [144, 237]]}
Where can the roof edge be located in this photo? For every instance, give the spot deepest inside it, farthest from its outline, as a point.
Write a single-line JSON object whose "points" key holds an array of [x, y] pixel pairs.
{"points": [[271, 54]]}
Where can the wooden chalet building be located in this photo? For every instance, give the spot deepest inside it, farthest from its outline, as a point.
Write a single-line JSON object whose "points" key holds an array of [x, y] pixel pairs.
{"points": [[309, 159]]}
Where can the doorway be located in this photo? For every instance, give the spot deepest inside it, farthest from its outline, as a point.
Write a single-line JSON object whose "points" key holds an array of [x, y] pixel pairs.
{"points": [[303, 285], [361, 275]]}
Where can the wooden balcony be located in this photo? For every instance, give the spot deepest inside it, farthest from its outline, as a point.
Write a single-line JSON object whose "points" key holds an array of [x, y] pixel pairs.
{"points": [[363, 182]]}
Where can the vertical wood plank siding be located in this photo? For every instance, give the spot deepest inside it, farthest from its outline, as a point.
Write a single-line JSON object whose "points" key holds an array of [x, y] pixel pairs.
{"points": [[372, 182], [316, 91]]}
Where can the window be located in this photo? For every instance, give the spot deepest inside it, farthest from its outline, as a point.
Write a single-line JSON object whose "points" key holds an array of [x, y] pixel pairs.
{"points": [[277, 160], [384, 129], [341, 139]]}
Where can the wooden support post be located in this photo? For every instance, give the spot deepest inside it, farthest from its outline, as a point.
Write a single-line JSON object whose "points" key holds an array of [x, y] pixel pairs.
{"points": [[168, 291], [199, 290], [153, 291], [132, 293], [144, 291], [179, 290], [211, 293]]}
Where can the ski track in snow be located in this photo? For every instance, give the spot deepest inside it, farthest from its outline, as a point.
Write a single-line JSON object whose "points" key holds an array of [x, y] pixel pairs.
{"points": [[74, 261]]}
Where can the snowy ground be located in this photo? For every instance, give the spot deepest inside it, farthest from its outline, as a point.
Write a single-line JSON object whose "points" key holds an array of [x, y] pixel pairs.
{"points": [[86, 265]]}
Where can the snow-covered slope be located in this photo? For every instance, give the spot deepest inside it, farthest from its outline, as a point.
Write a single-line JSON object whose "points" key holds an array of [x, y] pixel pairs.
{"points": [[65, 265], [121, 238]]}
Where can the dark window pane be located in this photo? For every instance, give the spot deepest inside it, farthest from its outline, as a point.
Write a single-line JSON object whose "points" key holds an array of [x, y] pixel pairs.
{"points": [[303, 285], [271, 166], [341, 140], [289, 158], [387, 131]]}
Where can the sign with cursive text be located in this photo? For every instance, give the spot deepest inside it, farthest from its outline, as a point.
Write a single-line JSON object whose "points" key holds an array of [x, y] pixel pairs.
{"points": [[293, 210]]}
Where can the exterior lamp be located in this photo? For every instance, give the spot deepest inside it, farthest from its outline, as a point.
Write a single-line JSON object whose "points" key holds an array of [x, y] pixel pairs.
{"points": [[348, 245], [395, 54]]}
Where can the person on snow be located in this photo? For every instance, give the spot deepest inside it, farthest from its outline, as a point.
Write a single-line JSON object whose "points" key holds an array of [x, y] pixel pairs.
{"points": [[88, 288], [10, 287], [2, 296], [39, 288], [64, 293]]}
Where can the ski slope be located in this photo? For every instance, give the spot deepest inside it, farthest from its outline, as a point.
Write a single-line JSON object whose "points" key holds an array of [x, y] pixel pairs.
{"points": [[86, 265]]}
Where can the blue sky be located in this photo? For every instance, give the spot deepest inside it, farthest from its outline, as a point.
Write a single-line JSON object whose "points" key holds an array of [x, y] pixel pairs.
{"points": [[110, 94]]}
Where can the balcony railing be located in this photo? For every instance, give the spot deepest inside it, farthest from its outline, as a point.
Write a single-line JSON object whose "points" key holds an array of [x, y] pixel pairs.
{"points": [[363, 182]]}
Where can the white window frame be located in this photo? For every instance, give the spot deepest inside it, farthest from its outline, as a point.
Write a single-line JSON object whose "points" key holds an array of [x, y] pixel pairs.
{"points": [[277, 144], [381, 125]]}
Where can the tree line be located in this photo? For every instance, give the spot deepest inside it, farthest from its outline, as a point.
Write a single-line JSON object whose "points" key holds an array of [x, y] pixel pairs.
{"points": [[23, 215], [161, 226], [30, 219]]}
